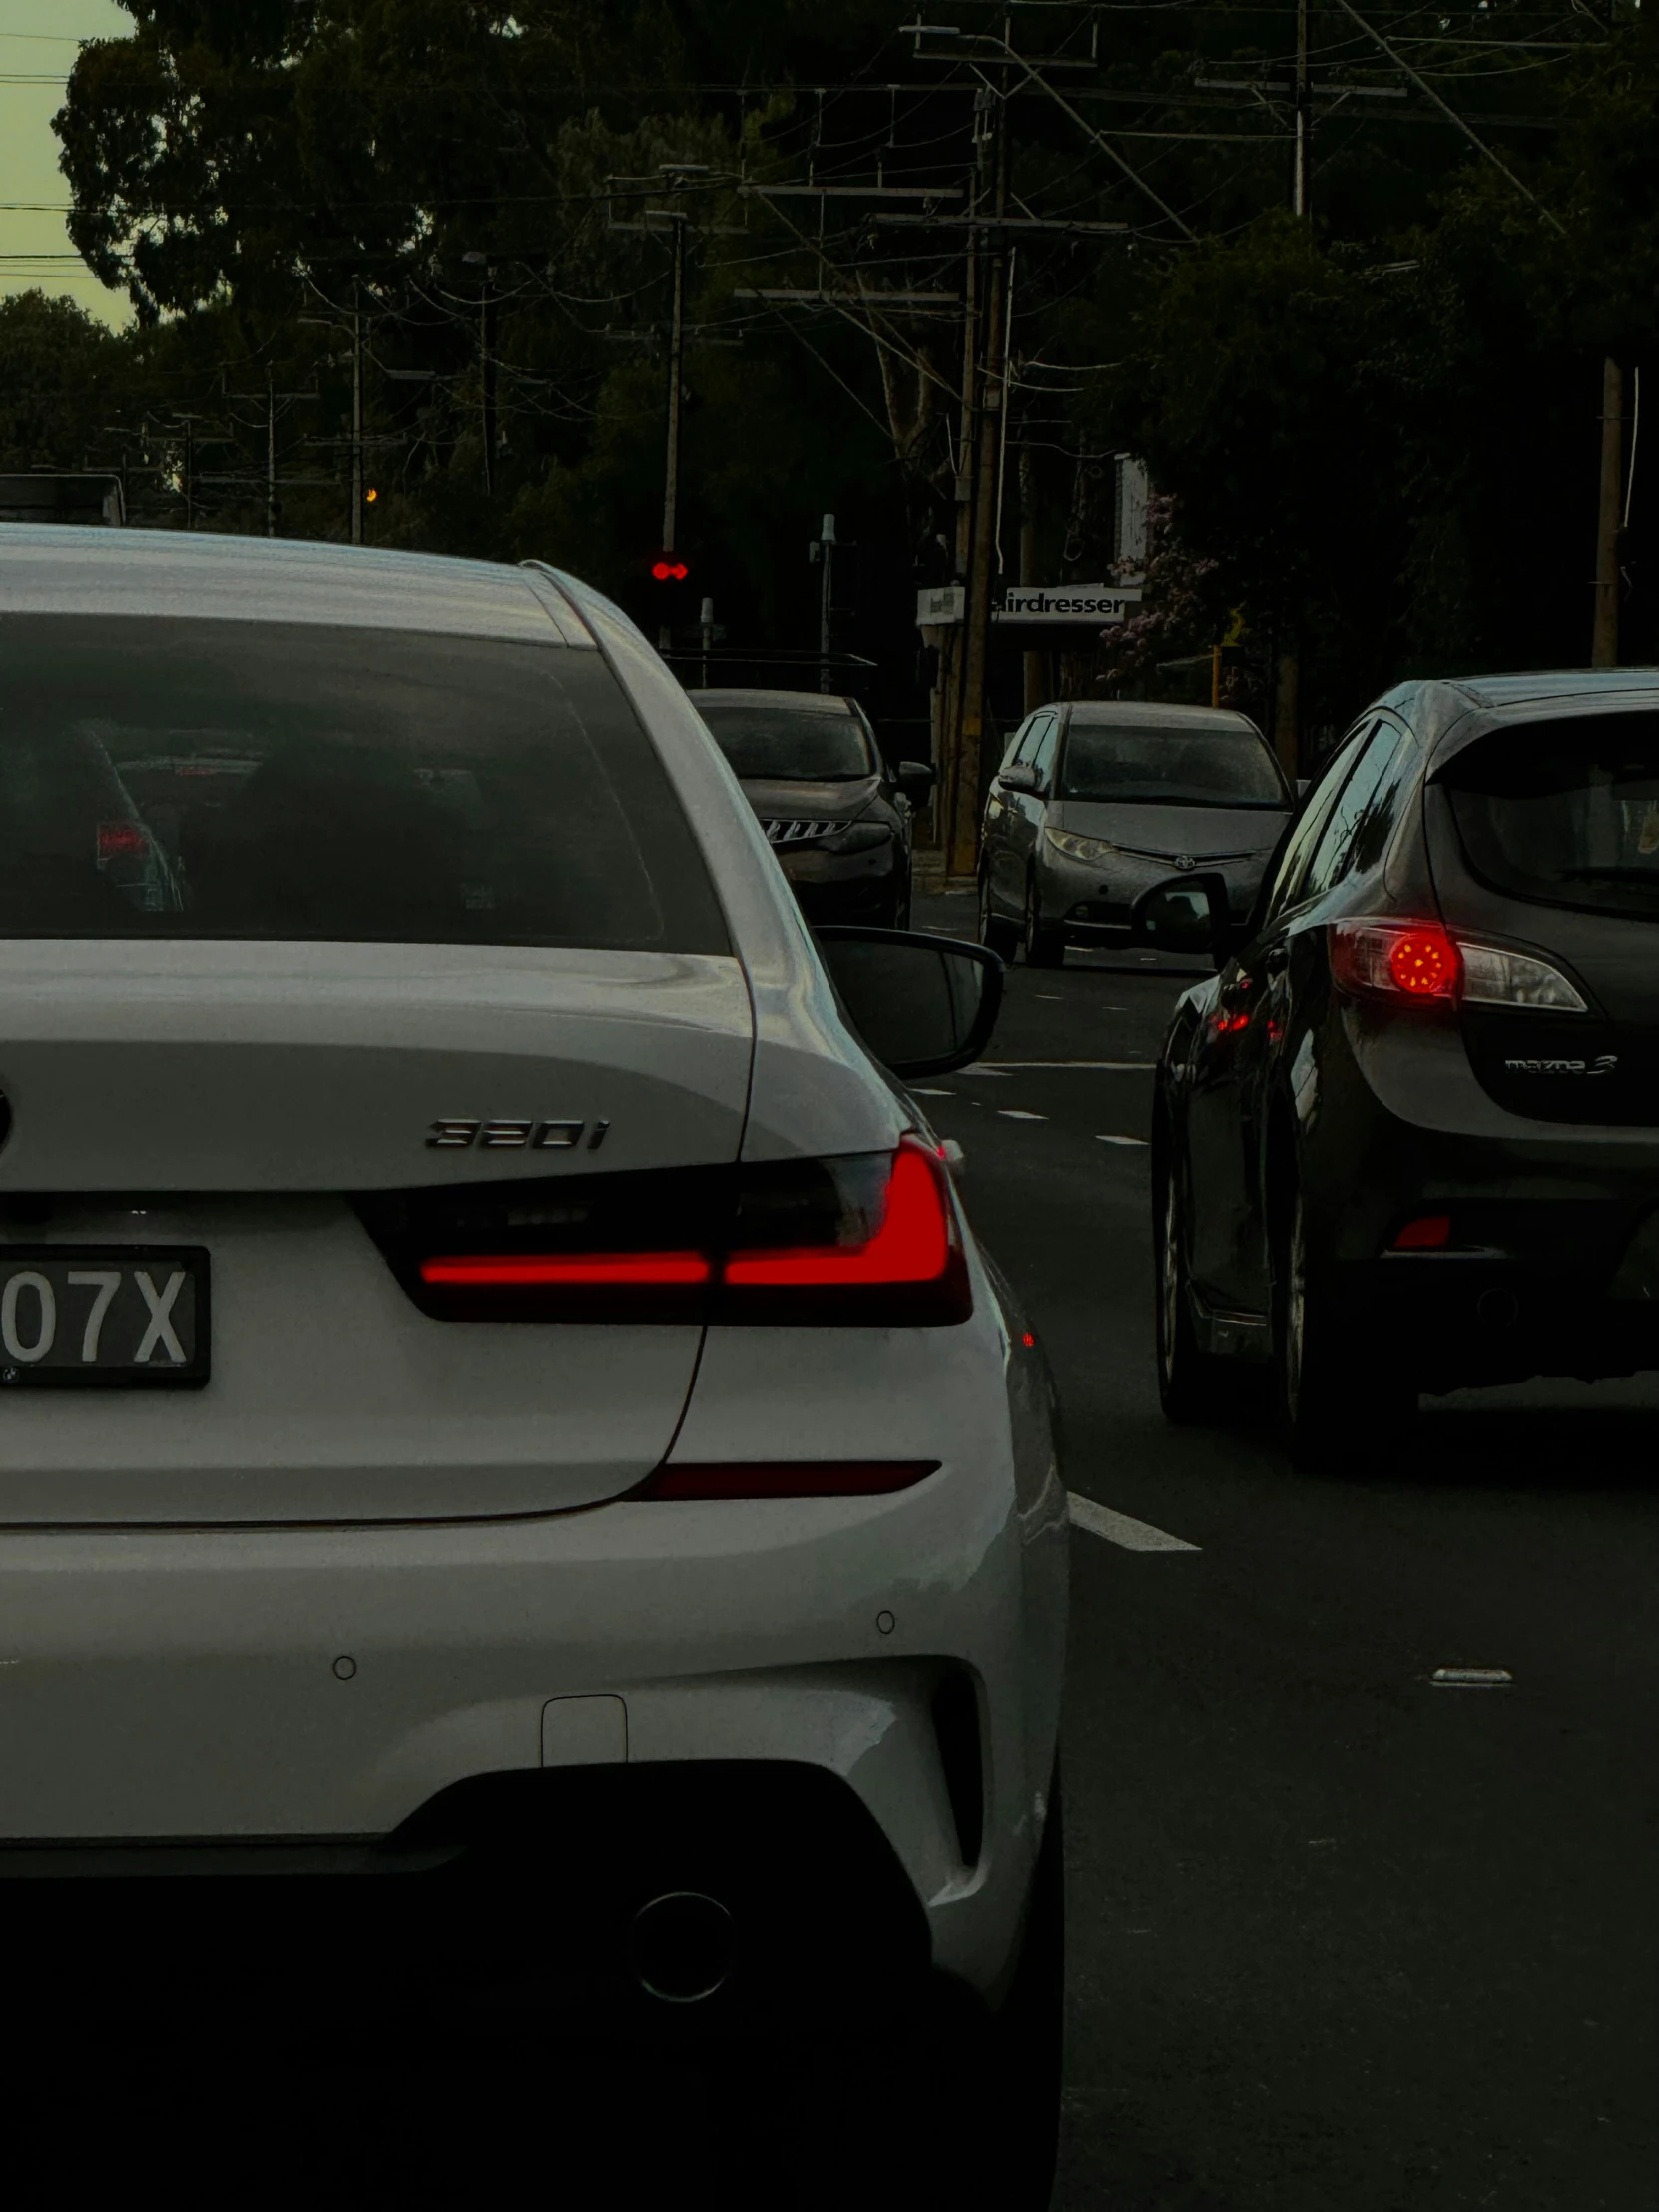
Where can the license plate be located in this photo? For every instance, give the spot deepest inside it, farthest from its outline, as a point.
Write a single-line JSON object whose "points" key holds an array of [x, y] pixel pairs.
{"points": [[128, 1317]]}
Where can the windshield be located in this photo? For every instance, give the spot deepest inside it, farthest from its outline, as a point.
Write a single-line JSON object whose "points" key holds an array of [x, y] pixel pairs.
{"points": [[789, 744], [1566, 812], [231, 780], [1149, 766]]}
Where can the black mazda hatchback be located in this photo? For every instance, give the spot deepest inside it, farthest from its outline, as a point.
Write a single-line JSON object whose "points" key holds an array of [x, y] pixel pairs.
{"points": [[1406, 1138]]}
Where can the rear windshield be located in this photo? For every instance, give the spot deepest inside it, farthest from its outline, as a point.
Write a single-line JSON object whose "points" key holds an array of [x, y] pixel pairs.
{"points": [[789, 744], [269, 781], [1120, 763], [1566, 812]]}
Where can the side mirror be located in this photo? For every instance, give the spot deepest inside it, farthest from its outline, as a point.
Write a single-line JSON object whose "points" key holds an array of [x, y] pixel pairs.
{"points": [[923, 1006], [1021, 776], [916, 779], [1184, 913]]}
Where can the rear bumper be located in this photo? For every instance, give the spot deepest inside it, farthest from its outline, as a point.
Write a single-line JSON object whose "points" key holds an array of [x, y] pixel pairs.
{"points": [[1551, 1266], [329, 1687], [509, 1911], [1469, 1318]]}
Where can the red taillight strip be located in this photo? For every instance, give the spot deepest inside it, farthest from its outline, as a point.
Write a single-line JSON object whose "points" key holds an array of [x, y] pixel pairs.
{"points": [[1429, 1233], [543, 1269], [913, 1245], [787, 1478]]}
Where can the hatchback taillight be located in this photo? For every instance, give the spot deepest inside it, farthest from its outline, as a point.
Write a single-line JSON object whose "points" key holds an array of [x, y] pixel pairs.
{"points": [[1423, 961], [869, 1239]]}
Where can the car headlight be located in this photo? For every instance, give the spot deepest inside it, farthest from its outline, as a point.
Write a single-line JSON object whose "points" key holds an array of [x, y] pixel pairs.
{"points": [[858, 836], [1093, 852]]}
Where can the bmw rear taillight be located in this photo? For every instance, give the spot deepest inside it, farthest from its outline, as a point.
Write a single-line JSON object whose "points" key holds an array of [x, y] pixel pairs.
{"points": [[874, 1238], [1423, 961], [869, 1239]]}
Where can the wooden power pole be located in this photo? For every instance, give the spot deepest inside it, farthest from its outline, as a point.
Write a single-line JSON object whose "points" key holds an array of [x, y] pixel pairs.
{"points": [[1604, 634], [963, 854]]}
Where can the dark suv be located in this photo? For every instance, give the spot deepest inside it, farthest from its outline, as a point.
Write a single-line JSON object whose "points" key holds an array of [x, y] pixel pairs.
{"points": [[838, 817], [1408, 1138]]}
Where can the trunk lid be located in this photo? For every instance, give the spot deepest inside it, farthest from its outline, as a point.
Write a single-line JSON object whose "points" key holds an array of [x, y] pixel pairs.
{"points": [[239, 1098], [1546, 837]]}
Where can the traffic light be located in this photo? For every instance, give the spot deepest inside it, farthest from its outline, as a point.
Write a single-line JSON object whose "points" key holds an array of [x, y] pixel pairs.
{"points": [[669, 568]]}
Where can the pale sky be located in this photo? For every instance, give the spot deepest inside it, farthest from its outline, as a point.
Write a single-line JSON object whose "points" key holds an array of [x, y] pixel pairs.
{"points": [[38, 39]]}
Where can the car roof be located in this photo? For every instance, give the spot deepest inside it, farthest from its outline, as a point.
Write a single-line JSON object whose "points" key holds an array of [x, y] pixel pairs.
{"points": [[1450, 713], [807, 702], [58, 569], [1155, 714]]}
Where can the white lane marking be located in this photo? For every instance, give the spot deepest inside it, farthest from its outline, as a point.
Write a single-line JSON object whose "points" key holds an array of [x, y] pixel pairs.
{"points": [[1017, 1113], [1008, 1067], [1471, 1677], [920, 1093], [979, 1068], [1123, 1140], [1119, 1528]]}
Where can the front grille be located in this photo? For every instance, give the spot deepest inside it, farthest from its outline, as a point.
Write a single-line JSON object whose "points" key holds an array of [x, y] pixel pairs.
{"points": [[781, 831], [1193, 860]]}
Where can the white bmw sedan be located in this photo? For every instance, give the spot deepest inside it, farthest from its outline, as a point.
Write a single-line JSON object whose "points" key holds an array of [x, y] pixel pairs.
{"points": [[496, 1385]]}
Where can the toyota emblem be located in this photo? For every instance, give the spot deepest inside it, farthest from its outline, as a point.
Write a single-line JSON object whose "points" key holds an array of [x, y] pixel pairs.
{"points": [[1185, 860]]}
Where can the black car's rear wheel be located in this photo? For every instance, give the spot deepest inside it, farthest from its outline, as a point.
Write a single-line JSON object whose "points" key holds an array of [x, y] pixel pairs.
{"points": [[996, 933], [1045, 946], [1339, 1415]]}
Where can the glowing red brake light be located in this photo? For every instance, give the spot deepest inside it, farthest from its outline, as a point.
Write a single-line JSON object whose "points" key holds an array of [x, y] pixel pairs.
{"points": [[1429, 1233], [1410, 959], [121, 840], [913, 1245], [543, 1271], [862, 1239], [1425, 963]]}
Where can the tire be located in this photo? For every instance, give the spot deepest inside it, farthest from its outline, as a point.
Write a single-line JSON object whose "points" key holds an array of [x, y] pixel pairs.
{"points": [[996, 934], [1195, 1388], [1045, 946], [1333, 1423], [1027, 2041]]}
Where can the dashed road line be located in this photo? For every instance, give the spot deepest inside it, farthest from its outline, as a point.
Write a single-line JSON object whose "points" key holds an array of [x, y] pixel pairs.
{"points": [[1120, 1529], [920, 1093], [1017, 1113], [1123, 1140]]}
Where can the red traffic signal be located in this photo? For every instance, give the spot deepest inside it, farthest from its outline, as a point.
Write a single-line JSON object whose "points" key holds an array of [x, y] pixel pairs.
{"points": [[667, 568]]}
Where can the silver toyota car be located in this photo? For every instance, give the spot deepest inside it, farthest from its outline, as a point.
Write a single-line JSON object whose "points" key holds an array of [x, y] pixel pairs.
{"points": [[1097, 800]]}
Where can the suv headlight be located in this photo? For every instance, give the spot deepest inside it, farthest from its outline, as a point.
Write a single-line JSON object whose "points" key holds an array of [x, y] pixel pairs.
{"points": [[858, 836], [1092, 851]]}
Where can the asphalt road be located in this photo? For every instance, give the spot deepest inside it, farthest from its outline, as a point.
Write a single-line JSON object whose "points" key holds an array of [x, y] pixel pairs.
{"points": [[1340, 1939]]}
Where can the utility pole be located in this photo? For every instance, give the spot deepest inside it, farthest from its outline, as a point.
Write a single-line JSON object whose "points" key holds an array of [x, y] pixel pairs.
{"points": [[356, 416], [270, 455], [189, 472], [1604, 635], [1036, 661], [676, 357], [962, 852], [1299, 204], [823, 550], [486, 366]]}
